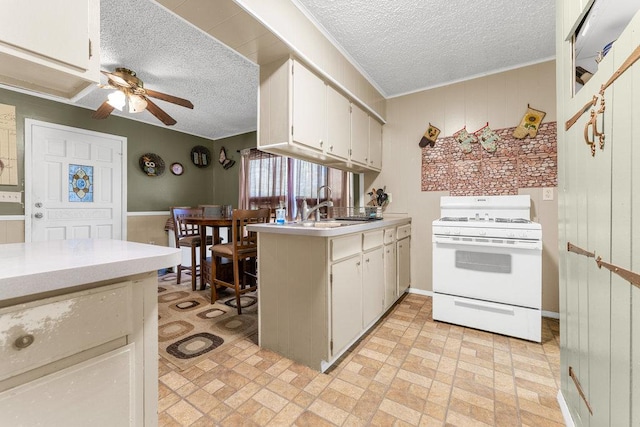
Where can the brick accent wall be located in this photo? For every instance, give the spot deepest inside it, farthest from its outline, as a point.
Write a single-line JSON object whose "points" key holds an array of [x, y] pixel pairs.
{"points": [[517, 163]]}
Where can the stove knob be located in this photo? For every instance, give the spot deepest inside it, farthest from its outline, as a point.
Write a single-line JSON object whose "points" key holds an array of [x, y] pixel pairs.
{"points": [[447, 231], [456, 232], [523, 234], [482, 233], [511, 234]]}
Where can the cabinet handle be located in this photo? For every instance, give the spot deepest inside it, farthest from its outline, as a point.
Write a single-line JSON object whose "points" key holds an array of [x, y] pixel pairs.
{"points": [[358, 263], [24, 341], [367, 259]]}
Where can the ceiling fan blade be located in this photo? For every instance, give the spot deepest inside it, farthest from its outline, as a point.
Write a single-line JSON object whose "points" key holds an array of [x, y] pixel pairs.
{"points": [[117, 80], [159, 113], [169, 98], [103, 111]]}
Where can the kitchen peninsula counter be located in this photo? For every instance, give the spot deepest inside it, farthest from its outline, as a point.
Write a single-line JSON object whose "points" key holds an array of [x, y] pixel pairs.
{"points": [[79, 332], [322, 288], [325, 229]]}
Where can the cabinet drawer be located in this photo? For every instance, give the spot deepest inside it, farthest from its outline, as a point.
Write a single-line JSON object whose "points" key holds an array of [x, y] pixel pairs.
{"points": [[404, 231], [389, 236], [41, 332], [372, 239], [343, 247]]}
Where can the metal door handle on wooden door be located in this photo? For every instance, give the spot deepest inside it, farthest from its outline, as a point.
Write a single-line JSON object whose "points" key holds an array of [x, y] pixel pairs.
{"points": [[38, 215]]}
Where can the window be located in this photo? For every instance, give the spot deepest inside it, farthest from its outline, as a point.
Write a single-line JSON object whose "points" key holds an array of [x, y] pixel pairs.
{"points": [[270, 179]]}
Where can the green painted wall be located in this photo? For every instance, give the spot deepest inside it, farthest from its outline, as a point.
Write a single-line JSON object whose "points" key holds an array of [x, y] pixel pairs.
{"points": [[195, 186], [226, 189]]}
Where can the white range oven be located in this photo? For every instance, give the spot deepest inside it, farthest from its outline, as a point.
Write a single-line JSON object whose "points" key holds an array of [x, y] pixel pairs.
{"points": [[487, 265]]}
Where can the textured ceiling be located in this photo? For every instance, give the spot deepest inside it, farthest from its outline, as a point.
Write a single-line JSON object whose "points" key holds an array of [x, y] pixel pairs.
{"points": [[402, 46], [170, 55], [408, 45]]}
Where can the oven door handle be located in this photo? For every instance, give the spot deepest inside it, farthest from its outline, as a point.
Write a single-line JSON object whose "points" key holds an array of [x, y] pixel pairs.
{"points": [[483, 306], [488, 242]]}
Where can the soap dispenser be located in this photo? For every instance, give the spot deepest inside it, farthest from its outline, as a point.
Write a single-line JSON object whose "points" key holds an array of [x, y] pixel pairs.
{"points": [[281, 213]]}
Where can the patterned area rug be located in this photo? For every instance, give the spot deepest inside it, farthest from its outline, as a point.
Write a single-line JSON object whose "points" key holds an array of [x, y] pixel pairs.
{"points": [[190, 328]]}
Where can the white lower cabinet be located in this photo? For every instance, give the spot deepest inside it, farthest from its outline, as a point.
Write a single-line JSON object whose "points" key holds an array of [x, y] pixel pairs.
{"points": [[334, 289], [86, 358], [404, 264], [390, 270], [346, 302], [97, 392], [372, 285]]}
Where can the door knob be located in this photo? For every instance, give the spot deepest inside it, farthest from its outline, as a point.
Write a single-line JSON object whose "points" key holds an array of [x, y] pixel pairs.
{"points": [[38, 215], [38, 205]]}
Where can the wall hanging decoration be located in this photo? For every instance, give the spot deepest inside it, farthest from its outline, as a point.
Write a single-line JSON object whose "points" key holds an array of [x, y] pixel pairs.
{"points": [[529, 123], [224, 160], [151, 164], [430, 136], [487, 138], [8, 146], [465, 139], [177, 168], [200, 156], [80, 183]]}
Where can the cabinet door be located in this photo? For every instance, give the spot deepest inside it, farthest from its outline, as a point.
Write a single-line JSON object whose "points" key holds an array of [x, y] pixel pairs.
{"points": [[359, 135], [24, 25], [97, 392], [372, 285], [346, 302], [404, 264], [390, 278], [309, 108], [338, 124], [375, 143]]}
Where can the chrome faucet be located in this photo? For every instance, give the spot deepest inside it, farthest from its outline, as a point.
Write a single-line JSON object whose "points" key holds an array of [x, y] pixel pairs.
{"points": [[306, 211]]}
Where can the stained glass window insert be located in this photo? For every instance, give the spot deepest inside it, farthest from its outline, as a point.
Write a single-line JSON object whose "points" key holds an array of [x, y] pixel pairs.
{"points": [[80, 183]]}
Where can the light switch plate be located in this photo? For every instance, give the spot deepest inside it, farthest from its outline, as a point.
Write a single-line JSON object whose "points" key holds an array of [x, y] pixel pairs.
{"points": [[10, 197], [547, 193]]}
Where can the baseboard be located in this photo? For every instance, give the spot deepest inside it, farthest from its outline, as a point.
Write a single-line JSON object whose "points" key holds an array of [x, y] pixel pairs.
{"points": [[551, 314], [419, 292], [568, 421]]}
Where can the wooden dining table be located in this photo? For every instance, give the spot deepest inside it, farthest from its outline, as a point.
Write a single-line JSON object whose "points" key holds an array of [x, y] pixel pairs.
{"points": [[215, 222]]}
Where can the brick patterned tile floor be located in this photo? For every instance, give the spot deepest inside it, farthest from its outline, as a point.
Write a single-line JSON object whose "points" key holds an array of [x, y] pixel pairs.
{"points": [[407, 371]]}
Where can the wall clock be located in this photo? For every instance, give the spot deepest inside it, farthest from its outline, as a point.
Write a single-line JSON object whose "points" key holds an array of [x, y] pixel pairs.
{"points": [[177, 169]]}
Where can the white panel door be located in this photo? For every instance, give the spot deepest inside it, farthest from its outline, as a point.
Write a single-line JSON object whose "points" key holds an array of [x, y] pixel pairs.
{"points": [[75, 184]]}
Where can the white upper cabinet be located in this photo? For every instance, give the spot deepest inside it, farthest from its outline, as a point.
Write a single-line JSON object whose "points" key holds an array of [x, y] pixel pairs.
{"points": [[359, 135], [50, 46], [338, 124], [309, 108], [303, 116], [375, 144]]}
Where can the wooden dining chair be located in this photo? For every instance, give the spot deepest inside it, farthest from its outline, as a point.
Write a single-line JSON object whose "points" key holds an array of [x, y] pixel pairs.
{"points": [[188, 236], [242, 250]]}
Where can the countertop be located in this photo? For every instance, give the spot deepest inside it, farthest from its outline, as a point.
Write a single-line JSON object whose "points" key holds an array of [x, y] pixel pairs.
{"points": [[298, 229], [37, 267]]}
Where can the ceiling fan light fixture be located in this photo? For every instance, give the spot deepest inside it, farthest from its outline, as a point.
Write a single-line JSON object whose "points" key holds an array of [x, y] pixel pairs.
{"points": [[117, 100], [137, 104]]}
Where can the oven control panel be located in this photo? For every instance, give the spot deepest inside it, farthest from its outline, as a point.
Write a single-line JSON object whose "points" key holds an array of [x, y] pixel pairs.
{"points": [[502, 233]]}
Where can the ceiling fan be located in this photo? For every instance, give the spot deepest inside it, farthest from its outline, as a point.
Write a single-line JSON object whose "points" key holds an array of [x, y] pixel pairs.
{"points": [[130, 90]]}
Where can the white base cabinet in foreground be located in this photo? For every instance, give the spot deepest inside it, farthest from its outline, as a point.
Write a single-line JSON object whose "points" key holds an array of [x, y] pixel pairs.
{"points": [[86, 358]]}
